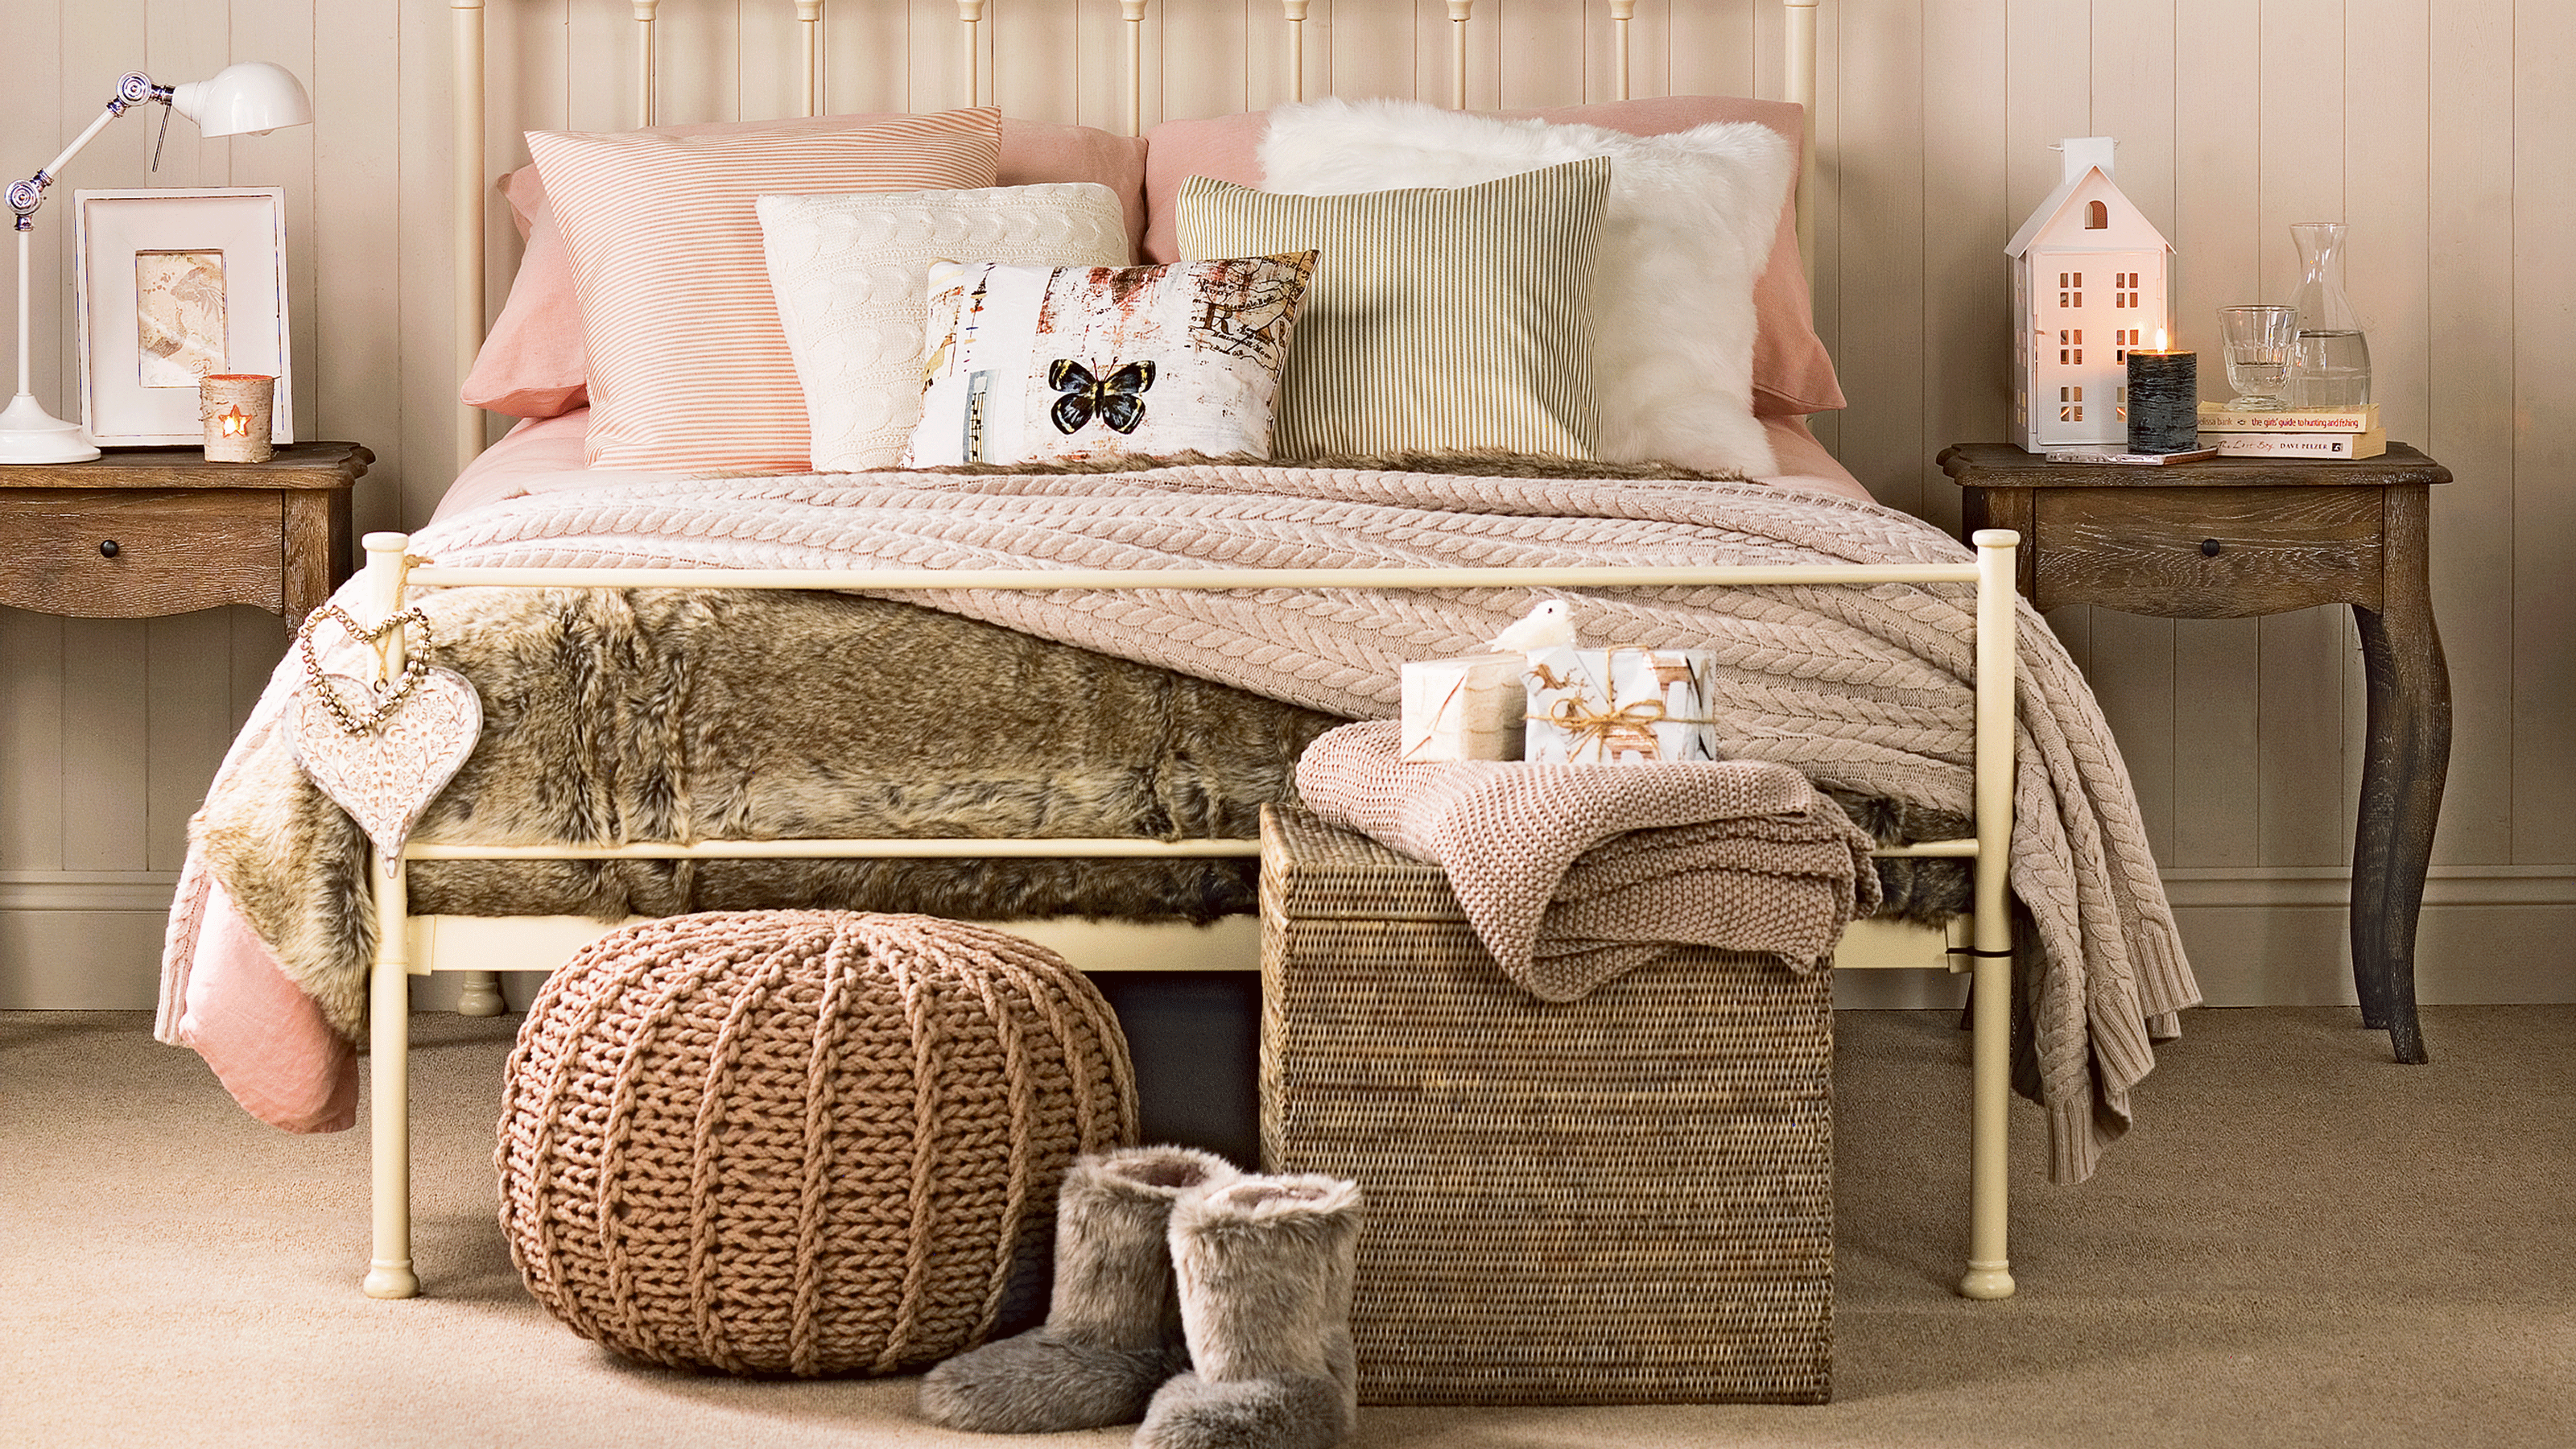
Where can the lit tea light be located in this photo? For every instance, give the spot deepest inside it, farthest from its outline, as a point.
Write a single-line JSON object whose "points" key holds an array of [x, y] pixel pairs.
{"points": [[2164, 399], [236, 422]]}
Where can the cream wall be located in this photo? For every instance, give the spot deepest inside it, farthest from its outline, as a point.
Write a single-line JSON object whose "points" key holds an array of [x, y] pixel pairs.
{"points": [[2446, 136]]}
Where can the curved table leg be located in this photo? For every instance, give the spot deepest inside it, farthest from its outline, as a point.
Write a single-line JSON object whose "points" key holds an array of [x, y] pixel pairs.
{"points": [[2402, 775]]}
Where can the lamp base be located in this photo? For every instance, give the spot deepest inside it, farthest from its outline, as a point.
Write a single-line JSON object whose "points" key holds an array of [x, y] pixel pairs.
{"points": [[29, 434]]}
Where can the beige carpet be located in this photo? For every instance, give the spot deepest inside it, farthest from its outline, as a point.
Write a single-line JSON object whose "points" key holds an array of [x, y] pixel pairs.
{"points": [[2302, 1245]]}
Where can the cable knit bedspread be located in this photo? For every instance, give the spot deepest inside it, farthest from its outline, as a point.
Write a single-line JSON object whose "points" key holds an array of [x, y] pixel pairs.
{"points": [[1867, 689]]}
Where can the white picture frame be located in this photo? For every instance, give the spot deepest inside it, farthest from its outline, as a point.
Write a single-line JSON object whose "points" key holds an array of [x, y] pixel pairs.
{"points": [[168, 283]]}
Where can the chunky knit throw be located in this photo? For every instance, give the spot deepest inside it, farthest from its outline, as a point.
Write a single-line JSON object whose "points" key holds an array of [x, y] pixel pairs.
{"points": [[1572, 875]]}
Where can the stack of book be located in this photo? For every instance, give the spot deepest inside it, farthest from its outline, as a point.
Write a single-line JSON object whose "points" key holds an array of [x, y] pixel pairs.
{"points": [[2323, 433]]}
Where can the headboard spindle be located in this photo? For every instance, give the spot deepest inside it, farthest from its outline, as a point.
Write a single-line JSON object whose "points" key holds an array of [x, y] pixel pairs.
{"points": [[1621, 12], [809, 28], [970, 14], [1296, 10], [644, 59], [1459, 10]]}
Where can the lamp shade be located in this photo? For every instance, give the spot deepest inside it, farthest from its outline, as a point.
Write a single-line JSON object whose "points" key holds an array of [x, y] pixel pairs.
{"points": [[253, 96]]}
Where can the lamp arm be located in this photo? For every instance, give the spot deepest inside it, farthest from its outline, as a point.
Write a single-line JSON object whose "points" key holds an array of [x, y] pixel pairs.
{"points": [[133, 90]]}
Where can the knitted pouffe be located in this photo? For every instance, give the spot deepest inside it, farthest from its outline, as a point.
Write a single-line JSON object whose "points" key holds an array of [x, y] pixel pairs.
{"points": [[802, 1142]]}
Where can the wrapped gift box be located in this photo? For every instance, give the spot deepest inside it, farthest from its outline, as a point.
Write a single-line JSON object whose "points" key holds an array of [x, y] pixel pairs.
{"points": [[1619, 706], [1464, 709]]}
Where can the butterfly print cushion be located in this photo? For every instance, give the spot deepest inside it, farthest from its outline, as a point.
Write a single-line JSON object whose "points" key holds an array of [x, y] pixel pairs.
{"points": [[1023, 364]]}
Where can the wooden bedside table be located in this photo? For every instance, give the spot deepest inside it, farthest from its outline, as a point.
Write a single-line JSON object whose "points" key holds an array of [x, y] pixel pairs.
{"points": [[2231, 538], [144, 532]]}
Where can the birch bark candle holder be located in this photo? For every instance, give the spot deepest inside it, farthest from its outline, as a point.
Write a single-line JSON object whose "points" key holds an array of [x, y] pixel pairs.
{"points": [[236, 408], [2164, 400]]}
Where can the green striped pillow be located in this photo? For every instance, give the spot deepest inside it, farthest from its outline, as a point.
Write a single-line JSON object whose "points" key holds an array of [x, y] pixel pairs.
{"points": [[1439, 320]]}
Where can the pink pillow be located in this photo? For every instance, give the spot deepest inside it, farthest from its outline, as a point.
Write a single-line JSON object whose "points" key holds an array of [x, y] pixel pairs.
{"points": [[1792, 373], [689, 365], [533, 365]]}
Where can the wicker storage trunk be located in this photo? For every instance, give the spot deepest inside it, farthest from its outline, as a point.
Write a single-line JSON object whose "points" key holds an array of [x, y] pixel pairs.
{"points": [[1622, 1199]]}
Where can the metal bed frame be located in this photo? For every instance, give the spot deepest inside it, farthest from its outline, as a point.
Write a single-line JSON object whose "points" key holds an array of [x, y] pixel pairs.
{"points": [[409, 945]]}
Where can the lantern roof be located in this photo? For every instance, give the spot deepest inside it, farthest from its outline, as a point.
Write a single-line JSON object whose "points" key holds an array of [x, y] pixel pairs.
{"points": [[2088, 179]]}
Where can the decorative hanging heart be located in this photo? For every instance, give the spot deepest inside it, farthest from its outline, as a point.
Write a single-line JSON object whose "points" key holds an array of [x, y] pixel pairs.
{"points": [[386, 776]]}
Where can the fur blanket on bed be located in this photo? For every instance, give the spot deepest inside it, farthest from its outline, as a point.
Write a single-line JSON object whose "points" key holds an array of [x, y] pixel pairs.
{"points": [[1865, 690]]}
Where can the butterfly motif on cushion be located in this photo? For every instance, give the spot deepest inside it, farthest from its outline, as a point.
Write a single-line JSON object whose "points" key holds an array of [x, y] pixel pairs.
{"points": [[1116, 398]]}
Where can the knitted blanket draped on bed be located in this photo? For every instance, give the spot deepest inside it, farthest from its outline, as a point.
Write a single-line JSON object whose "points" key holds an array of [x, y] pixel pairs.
{"points": [[1866, 688]]}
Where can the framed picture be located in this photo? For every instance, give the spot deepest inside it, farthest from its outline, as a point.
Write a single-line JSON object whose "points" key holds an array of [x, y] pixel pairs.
{"points": [[169, 285]]}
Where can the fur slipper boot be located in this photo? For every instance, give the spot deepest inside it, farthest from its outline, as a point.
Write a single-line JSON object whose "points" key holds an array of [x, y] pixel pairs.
{"points": [[1113, 1329], [1265, 1268]]}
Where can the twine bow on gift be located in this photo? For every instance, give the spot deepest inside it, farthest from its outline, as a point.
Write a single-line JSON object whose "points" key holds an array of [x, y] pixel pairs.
{"points": [[1593, 728]]}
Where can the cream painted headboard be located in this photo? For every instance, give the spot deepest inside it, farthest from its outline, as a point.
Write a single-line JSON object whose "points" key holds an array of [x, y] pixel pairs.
{"points": [[474, 170]]}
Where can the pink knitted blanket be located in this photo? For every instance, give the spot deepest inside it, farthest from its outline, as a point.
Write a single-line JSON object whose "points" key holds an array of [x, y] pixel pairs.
{"points": [[1866, 688], [1573, 875]]}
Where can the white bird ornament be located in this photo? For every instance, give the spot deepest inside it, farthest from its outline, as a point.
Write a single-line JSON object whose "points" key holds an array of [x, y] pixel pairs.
{"points": [[1550, 625]]}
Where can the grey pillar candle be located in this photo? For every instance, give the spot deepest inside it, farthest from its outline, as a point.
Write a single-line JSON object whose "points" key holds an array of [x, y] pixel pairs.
{"points": [[2164, 401]]}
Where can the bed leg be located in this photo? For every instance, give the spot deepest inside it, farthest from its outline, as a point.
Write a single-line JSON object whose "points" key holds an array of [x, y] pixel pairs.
{"points": [[389, 1068], [1990, 1193], [481, 995], [1990, 989]]}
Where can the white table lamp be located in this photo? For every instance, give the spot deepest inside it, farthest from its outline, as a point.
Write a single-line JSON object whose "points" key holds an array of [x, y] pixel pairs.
{"points": [[253, 97]]}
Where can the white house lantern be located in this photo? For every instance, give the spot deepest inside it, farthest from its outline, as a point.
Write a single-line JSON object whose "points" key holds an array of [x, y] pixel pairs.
{"points": [[2089, 276]]}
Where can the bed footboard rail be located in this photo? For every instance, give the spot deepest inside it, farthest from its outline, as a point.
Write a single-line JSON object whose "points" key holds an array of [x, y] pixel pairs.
{"points": [[392, 572]]}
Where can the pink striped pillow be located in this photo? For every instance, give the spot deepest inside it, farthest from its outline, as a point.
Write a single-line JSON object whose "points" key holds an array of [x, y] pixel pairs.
{"points": [[689, 367]]}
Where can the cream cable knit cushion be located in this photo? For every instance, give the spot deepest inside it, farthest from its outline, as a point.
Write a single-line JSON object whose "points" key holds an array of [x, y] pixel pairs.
{"points": [[850, 274], [802, 1142]]}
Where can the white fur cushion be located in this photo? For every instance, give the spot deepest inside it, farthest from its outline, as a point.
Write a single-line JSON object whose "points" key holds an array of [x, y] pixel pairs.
{"points": [[1687, 229], [851, 274]]}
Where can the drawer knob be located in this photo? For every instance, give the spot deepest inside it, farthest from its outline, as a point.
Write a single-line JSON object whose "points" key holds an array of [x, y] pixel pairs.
{"points": [[2209, 548], [109, 549]]}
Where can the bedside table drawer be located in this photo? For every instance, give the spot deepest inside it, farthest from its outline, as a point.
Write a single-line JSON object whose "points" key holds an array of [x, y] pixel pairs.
{"points": [[2208, 553], [134, 553]]}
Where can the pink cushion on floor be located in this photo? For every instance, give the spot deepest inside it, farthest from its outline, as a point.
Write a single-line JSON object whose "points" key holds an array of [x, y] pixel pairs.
{"points": [[1792, 372]]}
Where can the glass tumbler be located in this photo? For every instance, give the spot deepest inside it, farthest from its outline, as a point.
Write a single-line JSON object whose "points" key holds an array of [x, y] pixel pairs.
{"points": [[2260, 344]]}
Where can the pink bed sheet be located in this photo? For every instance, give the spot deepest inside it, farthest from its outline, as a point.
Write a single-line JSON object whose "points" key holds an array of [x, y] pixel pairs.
{"points": [[222, 990]]}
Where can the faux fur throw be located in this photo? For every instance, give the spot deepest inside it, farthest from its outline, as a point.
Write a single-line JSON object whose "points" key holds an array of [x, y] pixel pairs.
{"points": [[1575, 875], [1860, 689]]}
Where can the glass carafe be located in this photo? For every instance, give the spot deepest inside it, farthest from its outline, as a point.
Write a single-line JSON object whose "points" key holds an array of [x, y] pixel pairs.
{"points": [[2331, 367]]}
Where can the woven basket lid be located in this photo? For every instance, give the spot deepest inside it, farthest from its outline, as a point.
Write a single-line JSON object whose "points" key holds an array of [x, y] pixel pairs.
{"points": [[802, 1142]]}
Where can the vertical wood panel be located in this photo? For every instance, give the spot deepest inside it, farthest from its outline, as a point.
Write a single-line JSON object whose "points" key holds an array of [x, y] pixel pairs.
{"points": [[2470, 296], [1369, 45], [106, 698], [1712, 49], [359, 368], [421, 459], [600, 86], [1968, 217], [866, 49], [187, 722], [1215, 57], [2544, 461], [1527, 44], [31, 741], [1879, 214]]}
